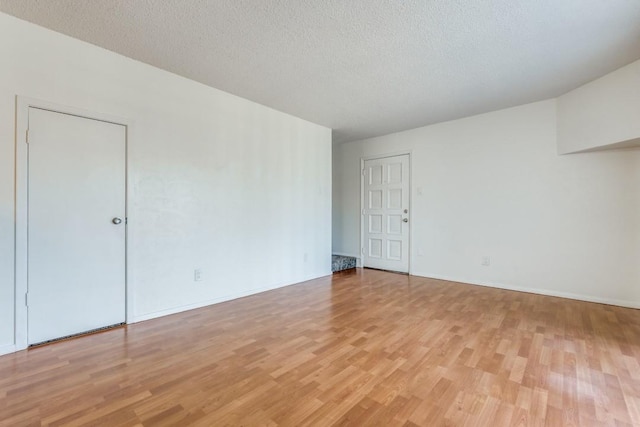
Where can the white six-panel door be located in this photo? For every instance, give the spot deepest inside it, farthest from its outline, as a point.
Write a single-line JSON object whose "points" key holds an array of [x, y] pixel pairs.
{"points": [[386, 213], [76, 225]]}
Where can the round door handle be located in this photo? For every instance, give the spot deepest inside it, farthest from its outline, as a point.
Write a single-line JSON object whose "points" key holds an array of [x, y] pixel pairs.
{"points": [[405, 220], [116, 220]]}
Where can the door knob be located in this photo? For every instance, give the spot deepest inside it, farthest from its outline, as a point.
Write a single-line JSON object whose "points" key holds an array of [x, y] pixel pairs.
{"points": [[405, 220], [116, 220]]}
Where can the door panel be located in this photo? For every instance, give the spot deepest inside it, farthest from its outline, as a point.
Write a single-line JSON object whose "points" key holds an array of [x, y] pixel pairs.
{"points": [[76, 254], [386, 213]]}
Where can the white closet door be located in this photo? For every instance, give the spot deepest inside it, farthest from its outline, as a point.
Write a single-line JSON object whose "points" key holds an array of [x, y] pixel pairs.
{"points": [[76, 225]]}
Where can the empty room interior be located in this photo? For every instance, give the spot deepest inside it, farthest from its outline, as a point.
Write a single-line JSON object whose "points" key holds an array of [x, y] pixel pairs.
{"points": [[316, 213]]}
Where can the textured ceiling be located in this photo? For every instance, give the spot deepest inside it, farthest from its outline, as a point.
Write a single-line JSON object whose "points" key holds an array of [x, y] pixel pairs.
{"points": [[363, 67]]}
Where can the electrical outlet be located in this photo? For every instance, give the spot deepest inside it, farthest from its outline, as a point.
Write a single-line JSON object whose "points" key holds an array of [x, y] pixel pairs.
{"points": [[197, 275], [486, 261]]}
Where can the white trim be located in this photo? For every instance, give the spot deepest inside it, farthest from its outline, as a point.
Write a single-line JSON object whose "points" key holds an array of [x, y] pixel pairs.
{"points": [[6, 349], [385, 155], [537, 291], [409, 153], [200, 304], [21, 214]]}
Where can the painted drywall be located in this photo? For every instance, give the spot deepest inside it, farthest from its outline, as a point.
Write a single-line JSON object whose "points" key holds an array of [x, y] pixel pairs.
{"points": [[493, 185], [604, 113], [217, 182]]}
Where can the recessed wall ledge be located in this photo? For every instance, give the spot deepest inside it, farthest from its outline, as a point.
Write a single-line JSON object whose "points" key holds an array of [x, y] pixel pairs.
{"points": [[632, 144], [601, 115]]}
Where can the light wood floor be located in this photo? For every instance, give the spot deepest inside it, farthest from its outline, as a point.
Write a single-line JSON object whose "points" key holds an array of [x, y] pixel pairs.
{"points": [[360, 348]]}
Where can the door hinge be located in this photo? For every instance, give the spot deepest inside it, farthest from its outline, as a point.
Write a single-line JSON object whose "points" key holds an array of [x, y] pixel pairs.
{"points": [[362, 211], [362, 251], [26, 299], [364, 172], [27, 136]]}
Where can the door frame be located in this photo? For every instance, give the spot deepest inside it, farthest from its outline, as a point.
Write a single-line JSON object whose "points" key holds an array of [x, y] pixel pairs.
{"points": [[21, 259], [363, 159]]}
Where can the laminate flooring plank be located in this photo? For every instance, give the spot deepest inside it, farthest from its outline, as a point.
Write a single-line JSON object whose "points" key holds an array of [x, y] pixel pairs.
{"points": [[361, 348]]}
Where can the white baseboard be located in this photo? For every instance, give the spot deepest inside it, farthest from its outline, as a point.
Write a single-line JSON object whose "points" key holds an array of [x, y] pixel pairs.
{"points": [[6, 349], [546, 292], [200, 304]]}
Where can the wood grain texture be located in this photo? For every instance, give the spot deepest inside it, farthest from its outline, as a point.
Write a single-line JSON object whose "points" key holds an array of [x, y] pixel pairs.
{"points": [[360, 348]]}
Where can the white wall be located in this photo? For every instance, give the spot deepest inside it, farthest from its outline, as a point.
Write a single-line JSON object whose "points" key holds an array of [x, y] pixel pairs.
{"points": [[218, 183], [494, 185], [601, 113]]}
